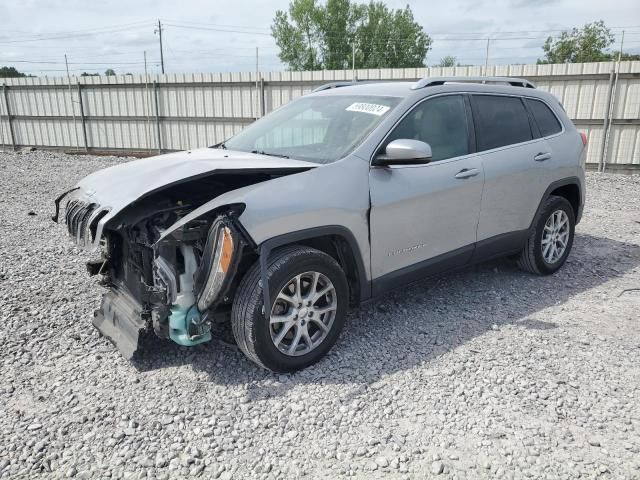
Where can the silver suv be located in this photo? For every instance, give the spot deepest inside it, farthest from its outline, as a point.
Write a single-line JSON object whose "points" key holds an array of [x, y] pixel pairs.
{"points": [[332, 200]]}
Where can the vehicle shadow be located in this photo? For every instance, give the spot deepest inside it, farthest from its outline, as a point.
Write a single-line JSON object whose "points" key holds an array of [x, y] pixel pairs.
{"points": [[419, 323]]}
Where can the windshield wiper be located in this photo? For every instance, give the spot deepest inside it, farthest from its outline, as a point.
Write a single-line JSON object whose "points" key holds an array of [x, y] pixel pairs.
{"points": [[219, 145], [262, 152]]}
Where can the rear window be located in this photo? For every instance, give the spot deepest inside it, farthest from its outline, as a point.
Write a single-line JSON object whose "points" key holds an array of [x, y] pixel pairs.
{"points": [[500, 121], [547, 122]]}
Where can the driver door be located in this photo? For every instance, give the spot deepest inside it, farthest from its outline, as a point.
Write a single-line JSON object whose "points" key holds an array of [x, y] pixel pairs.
{"points": [[424, 218]]}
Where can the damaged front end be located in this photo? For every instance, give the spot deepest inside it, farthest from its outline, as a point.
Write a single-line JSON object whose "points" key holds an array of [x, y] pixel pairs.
{"points": [[174, 285], [195, 272]]}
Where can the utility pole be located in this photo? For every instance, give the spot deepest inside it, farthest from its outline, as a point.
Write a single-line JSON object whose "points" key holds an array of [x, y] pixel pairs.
{"points": [[620, 52], [257, 87], [486, 60], [159, 32], [612, 107], [146, 101], [73, 108], [353, 62]]}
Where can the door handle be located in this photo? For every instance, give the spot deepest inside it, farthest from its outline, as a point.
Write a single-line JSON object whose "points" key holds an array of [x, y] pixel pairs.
{"points": [[542, 156], [467, 173]]}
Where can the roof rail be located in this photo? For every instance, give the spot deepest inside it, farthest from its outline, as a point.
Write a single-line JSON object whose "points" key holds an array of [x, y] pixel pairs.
{"points": [[433, 81], [345, 83], [328, 86]]}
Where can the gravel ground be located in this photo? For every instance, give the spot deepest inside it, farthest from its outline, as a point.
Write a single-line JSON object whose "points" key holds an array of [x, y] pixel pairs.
{"points": [[486, 373]]}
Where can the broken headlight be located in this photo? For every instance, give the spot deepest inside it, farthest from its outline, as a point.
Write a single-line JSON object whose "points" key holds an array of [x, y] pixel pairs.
{"points": [[219, 258]]}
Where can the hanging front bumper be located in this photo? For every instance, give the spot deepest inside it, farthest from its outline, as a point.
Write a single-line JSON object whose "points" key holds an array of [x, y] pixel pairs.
{"points": [[121, 319]]}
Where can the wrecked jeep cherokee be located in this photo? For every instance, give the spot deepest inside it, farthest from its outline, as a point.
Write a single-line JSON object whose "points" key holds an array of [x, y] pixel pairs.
{"points": [[331, 200]]}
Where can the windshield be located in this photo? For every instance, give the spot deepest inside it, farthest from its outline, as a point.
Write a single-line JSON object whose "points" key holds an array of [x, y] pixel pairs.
{"points": [[320, 129]]}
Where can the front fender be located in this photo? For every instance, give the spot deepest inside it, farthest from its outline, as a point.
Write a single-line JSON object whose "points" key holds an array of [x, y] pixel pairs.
{"points": [[334, 194]]}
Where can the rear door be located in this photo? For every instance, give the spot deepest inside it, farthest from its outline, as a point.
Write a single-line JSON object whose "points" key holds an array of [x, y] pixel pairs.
{"points": [[514, 159], [424, 217]]}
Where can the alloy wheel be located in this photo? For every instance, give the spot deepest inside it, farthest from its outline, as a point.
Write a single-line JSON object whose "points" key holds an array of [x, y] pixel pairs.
{"points": [[303, 313], [555, 236]]}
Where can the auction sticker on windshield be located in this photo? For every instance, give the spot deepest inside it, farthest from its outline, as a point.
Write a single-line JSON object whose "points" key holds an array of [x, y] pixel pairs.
{"points": [[371, 108]]}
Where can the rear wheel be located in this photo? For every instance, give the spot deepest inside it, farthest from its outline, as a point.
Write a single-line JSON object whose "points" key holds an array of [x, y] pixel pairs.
{"points": [[309, 296], [551, 238]]}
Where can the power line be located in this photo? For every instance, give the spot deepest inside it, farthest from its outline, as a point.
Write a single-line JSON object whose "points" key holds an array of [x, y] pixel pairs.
{"points": [[70, 63], [247, 28], [66, 36], [244, 27], [84, 30], [439, 42], [215, 29]]}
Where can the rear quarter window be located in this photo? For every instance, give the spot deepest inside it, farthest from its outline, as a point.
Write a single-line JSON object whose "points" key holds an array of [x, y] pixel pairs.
{"points": [[500, 121], [546, 120]]}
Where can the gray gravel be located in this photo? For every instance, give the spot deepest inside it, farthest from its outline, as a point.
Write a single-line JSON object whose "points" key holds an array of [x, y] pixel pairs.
{"points": [[486, 373]]}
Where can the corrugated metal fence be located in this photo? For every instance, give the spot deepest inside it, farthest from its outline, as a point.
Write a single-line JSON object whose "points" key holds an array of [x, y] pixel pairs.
{"points": [[134, 113]]}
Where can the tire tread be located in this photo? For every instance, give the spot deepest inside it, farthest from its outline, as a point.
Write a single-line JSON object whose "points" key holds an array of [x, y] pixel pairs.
{"points": [[527, 259], [249, 297]]}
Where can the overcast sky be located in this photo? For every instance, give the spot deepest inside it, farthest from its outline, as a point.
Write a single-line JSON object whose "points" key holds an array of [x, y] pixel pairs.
{"points": [[205, 36]]}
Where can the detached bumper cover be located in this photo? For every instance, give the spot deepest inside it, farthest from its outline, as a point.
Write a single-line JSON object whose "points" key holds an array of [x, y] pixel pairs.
{"points": [[120, 319]]}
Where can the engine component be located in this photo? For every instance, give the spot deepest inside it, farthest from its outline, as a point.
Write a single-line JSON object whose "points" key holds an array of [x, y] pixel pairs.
{"points": [[164, 276], [186, 325]]}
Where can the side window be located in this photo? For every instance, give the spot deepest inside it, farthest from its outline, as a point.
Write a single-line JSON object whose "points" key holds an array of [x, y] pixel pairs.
{"points": [[500, 121], [441, 122], [545, 119]]}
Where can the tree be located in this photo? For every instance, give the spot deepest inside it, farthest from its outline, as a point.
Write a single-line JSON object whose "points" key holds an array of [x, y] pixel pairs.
{"points": [[448, 61], [109, 72], [625, 56], [87, 74], [10, 72], [588, 44], [315, 36]]}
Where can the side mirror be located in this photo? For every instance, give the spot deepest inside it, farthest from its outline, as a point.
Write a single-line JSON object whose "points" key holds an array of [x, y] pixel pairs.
{"points": [[404, 152]]}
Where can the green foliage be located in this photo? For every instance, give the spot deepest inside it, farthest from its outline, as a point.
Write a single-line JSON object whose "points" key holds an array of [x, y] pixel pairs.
{"points": [[10, 72], [448, 61], [87, 74], [588, 44], [109, 72], [626, 56], [316, 36]]}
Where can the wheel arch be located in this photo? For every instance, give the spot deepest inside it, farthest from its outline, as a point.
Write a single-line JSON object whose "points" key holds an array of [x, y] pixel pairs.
{"points": [[569, 188], [336, 241], [570, 191]]}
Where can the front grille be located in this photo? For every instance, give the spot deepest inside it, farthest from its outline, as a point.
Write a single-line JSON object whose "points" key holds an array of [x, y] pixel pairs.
{"points": [[76, 217]]}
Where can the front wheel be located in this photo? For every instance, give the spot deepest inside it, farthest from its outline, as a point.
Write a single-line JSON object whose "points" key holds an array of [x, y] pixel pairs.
{"points": [[550, 239], [309, 296]]}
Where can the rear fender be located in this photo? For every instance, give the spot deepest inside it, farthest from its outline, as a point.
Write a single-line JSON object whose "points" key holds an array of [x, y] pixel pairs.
{"points": [[554, 186]]}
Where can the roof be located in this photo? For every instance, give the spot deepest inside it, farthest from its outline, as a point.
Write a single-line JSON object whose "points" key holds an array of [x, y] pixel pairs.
{"points": [[433, 85]]}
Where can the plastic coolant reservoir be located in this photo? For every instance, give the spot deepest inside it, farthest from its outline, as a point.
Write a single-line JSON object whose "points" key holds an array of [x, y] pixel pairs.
{"points": [[185, 323]]}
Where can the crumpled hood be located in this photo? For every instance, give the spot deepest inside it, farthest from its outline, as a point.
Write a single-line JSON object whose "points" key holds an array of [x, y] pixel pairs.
{"points": [[115, 187]]}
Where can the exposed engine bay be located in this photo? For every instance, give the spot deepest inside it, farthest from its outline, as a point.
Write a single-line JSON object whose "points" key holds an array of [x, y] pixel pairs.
{"points": [[178, 286]]}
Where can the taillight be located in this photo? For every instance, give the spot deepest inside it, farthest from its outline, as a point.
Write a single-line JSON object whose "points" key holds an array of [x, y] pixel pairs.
{"points": [[584, 139]]}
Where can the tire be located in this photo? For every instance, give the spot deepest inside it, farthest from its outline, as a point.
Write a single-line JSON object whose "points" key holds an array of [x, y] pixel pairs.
{"points": [[534, 258], [255, 336]]}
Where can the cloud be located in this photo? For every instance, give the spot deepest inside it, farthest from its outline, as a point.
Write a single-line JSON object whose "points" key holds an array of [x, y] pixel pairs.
{"points": [[191, 49]]}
